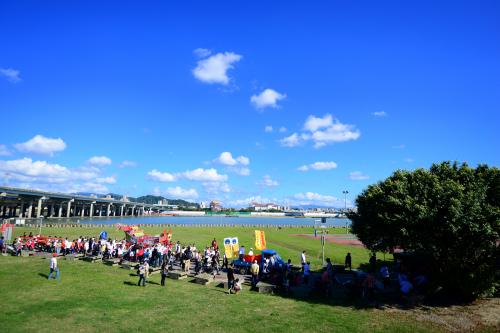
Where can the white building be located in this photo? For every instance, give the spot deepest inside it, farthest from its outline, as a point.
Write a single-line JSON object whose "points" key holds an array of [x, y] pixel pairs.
{"points": [[265, 207]]}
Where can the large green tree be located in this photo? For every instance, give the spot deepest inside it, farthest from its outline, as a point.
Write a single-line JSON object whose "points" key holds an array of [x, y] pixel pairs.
{"points": [[449, 213]]}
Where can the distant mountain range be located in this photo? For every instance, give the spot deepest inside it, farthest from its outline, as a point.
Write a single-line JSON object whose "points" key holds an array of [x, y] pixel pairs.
{"points": [[147, 199]]}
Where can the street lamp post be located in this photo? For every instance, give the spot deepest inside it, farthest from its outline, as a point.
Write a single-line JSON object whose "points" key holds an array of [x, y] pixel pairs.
{"points": [[345, 193]]}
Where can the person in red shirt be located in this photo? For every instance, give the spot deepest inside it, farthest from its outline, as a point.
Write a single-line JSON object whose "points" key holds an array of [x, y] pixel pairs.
{"points": [[215, 245]]}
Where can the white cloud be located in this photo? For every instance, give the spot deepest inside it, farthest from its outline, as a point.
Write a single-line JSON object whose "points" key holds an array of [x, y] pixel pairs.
{"points": [[268, 98], [214, 188], [322, 131], [312, 198], [202, 53], [358, 175], [226, 158], [243, 160], [54, 177], [313, 123], [99, 160], [203, 175], [214, 68], [181, 193], [237, 165], [267, 181], [127, 164], [379, 113], [409, 160], [106, 180], [4, 151], [282, 129], [242, 171], [10, 74], [291, 141], [268, 129], [164, 177], [41, 145], [318, 166], [206, 175]]}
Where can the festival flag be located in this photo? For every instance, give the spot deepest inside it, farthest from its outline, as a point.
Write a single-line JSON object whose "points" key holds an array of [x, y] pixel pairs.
{"points": [[235, 246], [260, 240], [228, 247]]}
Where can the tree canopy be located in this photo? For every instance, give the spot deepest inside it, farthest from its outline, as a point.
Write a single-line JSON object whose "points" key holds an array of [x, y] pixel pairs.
{"points": [[449, 213]]}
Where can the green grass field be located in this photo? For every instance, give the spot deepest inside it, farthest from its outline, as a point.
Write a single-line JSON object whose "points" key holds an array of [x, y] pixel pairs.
{"points": [[92, 297]]}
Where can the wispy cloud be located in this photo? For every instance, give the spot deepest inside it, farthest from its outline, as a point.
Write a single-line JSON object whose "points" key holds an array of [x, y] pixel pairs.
{"points": [[11, 75], [267, 181], [99, 160], [202, 53], [379, 114], [358, 175], [127, 164], [4, 151], [318, 166]]}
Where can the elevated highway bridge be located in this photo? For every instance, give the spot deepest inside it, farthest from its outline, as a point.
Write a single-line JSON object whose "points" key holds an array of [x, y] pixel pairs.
{"points": [[26, 203]]}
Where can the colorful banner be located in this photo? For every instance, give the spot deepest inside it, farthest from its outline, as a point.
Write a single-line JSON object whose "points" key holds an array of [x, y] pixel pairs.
{"points": [[260, 240], [231, 247]]}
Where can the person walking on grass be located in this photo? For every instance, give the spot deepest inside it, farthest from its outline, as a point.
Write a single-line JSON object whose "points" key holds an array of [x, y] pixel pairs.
{"points": [[53, 267], [164, 272], [348, 261], [230, 277], [303, 260], [142, 274]]}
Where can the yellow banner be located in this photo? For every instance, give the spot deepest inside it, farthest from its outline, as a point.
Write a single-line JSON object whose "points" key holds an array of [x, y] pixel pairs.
{"points": [[260, 240], [231, 247]]}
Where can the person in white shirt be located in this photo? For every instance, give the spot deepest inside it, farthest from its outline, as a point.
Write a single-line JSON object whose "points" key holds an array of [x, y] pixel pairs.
{"points": [[53, 267], [303, 260]]}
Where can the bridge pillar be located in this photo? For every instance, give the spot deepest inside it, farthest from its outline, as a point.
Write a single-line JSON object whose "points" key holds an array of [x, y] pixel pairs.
{"points": [[51, 210], [91, 209], [60, 210], [108, 210], [30, 210], [39, 208], [68, 212], [83, 210], [21, 210], [121, 210]]}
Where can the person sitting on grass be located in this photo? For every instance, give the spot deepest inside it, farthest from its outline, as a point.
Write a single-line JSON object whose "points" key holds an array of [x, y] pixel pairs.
{"points": [[237, 286]]}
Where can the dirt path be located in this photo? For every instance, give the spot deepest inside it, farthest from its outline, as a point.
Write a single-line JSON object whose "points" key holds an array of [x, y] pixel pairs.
{"points": [[345, 239]]}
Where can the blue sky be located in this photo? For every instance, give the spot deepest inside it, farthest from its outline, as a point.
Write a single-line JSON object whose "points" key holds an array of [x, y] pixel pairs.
{"points": [[284, 101]]}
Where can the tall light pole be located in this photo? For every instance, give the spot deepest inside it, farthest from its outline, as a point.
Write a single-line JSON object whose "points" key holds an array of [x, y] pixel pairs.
{"points": [[345, 193]]}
